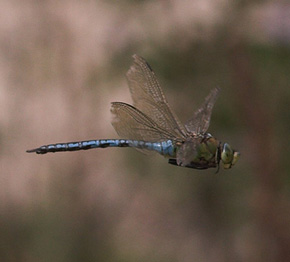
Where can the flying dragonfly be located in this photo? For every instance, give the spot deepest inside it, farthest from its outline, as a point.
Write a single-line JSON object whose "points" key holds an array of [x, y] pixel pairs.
{"points": [[150, 125]]}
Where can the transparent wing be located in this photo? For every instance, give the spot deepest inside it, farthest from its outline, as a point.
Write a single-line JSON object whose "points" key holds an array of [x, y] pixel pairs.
{"points": [[187, 151], [148, 97], [130, 123], [201, 119]]}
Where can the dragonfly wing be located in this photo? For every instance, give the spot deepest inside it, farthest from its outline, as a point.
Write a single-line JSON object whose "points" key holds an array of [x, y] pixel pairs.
{"points": [[148, 97], [201, 119], [131, 123], [187, 152]]}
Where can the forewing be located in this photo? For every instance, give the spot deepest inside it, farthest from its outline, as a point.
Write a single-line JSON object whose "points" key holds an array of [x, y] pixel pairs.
{"points": [[148, 97], [201, 119], [131, 123]]}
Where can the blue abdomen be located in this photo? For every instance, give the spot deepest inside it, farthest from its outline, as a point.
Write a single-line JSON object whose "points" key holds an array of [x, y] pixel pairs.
{"points": [[165, 148]]}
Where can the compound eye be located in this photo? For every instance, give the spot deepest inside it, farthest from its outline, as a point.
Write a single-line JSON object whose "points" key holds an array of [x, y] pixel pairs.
{"points": [[227, 155]]}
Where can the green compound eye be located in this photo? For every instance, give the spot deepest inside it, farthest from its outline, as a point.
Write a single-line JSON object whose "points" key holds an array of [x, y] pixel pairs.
{"points": [[227, 156]]}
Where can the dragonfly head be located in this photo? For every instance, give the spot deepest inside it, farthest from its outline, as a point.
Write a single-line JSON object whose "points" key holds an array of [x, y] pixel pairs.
{"points": [[228, 156]]}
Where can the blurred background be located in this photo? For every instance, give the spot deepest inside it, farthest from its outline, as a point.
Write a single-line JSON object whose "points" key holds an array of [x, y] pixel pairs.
{"points": [[61, 65]]}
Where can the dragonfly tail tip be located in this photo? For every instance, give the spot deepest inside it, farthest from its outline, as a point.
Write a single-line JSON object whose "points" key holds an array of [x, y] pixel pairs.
{"points": [[31, 150]]}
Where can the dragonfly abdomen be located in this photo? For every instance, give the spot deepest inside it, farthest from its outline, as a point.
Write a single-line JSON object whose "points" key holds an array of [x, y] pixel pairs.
{"points": [[164, 147], [81, 145]]}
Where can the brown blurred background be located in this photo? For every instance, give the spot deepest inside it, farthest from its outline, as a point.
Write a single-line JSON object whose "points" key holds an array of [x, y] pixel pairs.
{"points": [[61, 65]]}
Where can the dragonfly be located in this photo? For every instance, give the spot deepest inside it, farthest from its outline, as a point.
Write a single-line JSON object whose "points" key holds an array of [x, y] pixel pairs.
{"points": [[150, 125]]}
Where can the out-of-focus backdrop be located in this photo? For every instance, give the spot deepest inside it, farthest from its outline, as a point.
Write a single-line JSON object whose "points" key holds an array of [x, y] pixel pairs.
{"points": [[61, 65]]}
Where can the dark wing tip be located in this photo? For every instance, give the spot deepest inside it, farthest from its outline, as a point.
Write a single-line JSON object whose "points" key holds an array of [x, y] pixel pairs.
{"points": [[132, 68], [139, 60], [137, 57], [138, 65], [217, 89]]}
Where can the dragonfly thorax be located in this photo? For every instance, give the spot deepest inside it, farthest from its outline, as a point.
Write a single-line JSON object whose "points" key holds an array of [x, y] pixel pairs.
{"points": [[199, 151], [203, 151]]}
